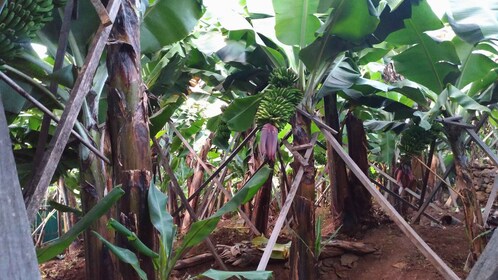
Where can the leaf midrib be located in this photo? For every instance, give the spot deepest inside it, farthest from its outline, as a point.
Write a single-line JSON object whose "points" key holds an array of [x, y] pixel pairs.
{"points": [[427, 53]]}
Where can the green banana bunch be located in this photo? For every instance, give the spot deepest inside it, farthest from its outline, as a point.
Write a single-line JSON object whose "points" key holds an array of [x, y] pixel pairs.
{"points": [[19, 22], [222, 135], [223, 130], [283, 78], [415, 139], [278, 106]]}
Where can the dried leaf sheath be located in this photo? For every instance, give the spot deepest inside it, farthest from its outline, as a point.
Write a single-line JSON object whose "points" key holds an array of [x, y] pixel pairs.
{"points": [[129, 132]]}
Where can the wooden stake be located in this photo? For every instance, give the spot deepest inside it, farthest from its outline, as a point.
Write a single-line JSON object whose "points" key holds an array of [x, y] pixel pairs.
{"points": [[283, 213], [176, 189], [18, 257], [49, 113], [388, 208], [491, 200], [218, 170], [216, 181], [83, 82]]}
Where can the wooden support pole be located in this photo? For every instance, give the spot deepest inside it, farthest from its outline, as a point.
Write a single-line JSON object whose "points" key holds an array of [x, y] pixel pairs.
{"points": [[18, 258], [83, 82], [482, 145], [486, 267], [178, 191], [283, 213], [449, 170], [102, 12], [395, 195], [216, 181], [46, 111], [217, 171], [410, 192], [442, 267], [318, 122], [491, 200], [427, 172], [295, 153]]}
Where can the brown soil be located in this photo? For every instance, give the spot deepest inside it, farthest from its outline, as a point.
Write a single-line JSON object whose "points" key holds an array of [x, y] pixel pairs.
{"points": [[72, 266], [396, 258]]}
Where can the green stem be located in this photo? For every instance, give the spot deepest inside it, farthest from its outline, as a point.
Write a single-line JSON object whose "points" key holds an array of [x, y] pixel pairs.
{"points": [[34, 83], [37, 61]]}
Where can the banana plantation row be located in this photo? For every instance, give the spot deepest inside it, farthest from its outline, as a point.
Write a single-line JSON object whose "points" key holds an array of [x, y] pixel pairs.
{"points": [[148, 122]]}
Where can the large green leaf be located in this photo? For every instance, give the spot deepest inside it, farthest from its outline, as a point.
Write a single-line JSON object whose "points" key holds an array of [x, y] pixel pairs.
{"points": [[161, 117], [427, 62], [167, 22], [477, 61], [161, 219], [227, 16], [82, 29], [13, 102], [124, 255], [394, 4], [266, 27], [414, 91], [201, 229], [163, 72], [377, 126], [250, 275], [58, 246], [462, 99], [353, 20], [474, 21], [383, 145], [132, 238], [484, 83], [239, 115], [296, 22], [344, 75], [399, 109], [329, 47], [391, 19]]}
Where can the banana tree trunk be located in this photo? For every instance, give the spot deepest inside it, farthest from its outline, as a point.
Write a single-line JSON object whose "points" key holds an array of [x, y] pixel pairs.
{"points": [[336, 166], [358, 201], [93, 183], [262, 201], [471, 209], [129, 133], [302, 259]]}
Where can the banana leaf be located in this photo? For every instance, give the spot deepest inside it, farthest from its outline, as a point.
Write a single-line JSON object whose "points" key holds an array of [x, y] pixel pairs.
{"points": [[58, 246]]}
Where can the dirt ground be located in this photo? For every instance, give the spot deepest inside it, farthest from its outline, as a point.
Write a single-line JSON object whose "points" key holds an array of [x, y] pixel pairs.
{"points": [[72, 266], [396, 257]]}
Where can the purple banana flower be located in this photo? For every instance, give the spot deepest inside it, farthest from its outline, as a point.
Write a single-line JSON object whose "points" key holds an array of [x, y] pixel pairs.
{"points": [[268, 141]]}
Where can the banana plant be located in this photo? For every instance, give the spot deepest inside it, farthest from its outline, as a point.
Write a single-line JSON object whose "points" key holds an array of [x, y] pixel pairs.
{"points": [[454, 75], [166, 258], [54, 248], [307, 37]]}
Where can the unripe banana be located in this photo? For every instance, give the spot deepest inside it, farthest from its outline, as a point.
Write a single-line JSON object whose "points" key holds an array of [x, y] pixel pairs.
{"points": [[21, 19]]}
